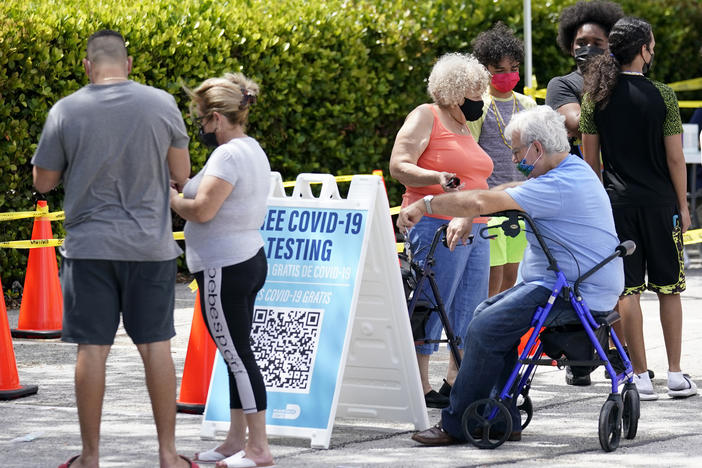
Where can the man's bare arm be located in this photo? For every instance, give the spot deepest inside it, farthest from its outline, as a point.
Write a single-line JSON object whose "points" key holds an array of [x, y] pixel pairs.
{"points": [[45, 179]]}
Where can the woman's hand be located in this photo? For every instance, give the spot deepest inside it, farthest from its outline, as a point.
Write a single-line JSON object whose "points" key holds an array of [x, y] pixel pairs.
{"points": [[448, 180], [177, 186], [459, 229], [174, 194]]}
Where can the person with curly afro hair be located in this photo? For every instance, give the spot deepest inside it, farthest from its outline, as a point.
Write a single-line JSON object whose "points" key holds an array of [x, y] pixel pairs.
{"points": [[582, 33], [502, 53]]}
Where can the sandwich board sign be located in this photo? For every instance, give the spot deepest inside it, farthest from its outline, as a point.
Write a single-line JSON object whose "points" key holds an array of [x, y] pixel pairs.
{"points": [[330, 329]]}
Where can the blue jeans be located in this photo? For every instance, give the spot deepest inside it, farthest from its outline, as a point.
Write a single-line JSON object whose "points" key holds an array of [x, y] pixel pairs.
{"points": [[462, 277], [491, 347]]}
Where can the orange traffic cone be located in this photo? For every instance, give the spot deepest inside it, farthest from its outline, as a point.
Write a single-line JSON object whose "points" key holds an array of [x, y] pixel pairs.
{"points": [[198, 366], [523, 342], [41, 310], [10, 387]]}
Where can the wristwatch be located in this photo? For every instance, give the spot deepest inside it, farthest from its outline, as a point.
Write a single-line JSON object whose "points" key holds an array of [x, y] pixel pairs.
{"points": [[427, 203]]}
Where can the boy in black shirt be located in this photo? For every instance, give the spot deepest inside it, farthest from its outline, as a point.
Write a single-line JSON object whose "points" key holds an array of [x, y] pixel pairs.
{"points": [[636, 123]]}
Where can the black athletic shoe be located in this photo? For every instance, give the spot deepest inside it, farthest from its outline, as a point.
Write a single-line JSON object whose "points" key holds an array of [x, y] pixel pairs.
{"points": [[445, 389], [577, 380], [435, 400]]}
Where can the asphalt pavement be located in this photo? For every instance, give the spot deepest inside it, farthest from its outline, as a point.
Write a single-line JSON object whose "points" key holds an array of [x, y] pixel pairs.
{"points": [[42, 430]]}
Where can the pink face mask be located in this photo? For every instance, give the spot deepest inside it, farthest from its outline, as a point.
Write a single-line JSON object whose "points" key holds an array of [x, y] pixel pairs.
{"points": [[505, 82]]}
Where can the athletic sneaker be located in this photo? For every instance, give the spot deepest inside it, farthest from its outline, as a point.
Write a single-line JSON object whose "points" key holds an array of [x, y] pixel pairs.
{"points": [[435, 400], [645, 387], [684, 389]]}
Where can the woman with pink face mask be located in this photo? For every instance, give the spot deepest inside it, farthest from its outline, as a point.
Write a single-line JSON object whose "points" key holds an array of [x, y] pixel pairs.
{"points": [[501, 53]]}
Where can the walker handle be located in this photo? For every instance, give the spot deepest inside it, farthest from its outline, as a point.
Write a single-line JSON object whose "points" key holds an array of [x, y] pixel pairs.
{"points": [[626, 248]]}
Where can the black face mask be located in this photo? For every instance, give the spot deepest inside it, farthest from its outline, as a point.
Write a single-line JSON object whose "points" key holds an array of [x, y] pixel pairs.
{"points": [[208, 139], [647, 66], [585, 53], [472, 110]]}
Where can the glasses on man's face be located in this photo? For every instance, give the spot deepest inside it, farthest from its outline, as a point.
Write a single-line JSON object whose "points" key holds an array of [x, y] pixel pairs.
{"points": [[517, 149]]}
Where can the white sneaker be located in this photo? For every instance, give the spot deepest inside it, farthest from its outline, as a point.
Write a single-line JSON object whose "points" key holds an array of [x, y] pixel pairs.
{"points": [[645, 387], [683, 390]]}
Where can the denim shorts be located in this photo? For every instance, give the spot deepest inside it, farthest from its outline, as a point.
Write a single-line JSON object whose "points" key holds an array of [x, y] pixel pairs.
{"points": [[97, 292]]}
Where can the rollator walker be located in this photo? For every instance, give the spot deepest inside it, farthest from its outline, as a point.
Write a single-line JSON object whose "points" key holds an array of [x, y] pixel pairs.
{"points": [[420, 306], [579, 344]]}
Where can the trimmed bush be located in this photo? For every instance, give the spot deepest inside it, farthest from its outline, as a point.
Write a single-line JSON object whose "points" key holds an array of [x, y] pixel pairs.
{"points": [[337, 77]]}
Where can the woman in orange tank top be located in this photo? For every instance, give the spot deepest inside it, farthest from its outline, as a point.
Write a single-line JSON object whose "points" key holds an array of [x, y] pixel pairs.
{"points": [[432, 150]]}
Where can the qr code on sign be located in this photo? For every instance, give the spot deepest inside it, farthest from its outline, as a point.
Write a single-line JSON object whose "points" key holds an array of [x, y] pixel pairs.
{"points": [[285, 341]]}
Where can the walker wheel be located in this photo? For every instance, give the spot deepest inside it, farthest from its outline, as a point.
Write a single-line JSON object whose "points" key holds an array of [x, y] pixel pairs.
{"points": [[525, 408], [610, 426], [631, 411], [484, 420]]}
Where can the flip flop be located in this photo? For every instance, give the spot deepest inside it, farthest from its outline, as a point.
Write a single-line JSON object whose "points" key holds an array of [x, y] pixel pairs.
{"points": [[209, 456], [192, 463], [240, 460], [69, 462]]}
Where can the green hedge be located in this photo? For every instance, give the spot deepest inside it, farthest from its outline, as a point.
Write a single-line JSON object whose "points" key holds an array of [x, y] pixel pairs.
{"points": [[337, 77]]}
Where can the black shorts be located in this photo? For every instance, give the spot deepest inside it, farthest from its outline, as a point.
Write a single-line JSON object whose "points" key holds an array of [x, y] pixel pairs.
{"points": [[96, 291], [657, 232]]}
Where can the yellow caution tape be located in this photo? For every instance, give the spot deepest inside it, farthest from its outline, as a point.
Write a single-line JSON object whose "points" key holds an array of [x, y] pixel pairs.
{"points": [[31, 244], [692, 237], [690, 104], [687, 85], [55, 216], [535, 93], [340, 178], [693, 84]]}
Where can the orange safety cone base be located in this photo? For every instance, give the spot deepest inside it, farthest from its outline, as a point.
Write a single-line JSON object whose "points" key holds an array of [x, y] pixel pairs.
{"points": [[40, 334], [198, 366], [23, 391], [194, 408], [10, 387]]}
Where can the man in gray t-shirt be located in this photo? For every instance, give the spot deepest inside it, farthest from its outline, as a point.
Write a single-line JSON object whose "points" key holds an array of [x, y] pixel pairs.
{"points": [[116, 145]]}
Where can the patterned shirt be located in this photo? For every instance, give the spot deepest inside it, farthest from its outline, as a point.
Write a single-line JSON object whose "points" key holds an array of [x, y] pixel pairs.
{"points": [[632, 128]]}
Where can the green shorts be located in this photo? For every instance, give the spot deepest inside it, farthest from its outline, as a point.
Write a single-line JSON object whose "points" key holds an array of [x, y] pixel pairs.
{"points": [[505, 249]]}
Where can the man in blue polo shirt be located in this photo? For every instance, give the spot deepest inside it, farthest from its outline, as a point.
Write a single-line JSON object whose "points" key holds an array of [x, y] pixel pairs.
{"points": [[572, 212]]}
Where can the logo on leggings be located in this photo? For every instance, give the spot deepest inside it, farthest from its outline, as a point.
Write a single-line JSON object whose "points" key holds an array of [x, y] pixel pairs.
{"points": [[218, 325], [291, 411]]}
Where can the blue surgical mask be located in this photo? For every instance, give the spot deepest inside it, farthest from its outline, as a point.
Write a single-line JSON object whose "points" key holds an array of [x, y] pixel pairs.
{"points": [[524, 167]]}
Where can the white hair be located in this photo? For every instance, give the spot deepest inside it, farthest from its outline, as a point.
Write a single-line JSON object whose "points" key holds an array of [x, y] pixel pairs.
{"points": [[454, 75], [542, 124]]}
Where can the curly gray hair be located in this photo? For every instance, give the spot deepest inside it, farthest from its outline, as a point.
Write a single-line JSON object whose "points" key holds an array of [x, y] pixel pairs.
{"points": [[541, 124], [454, 75]]}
